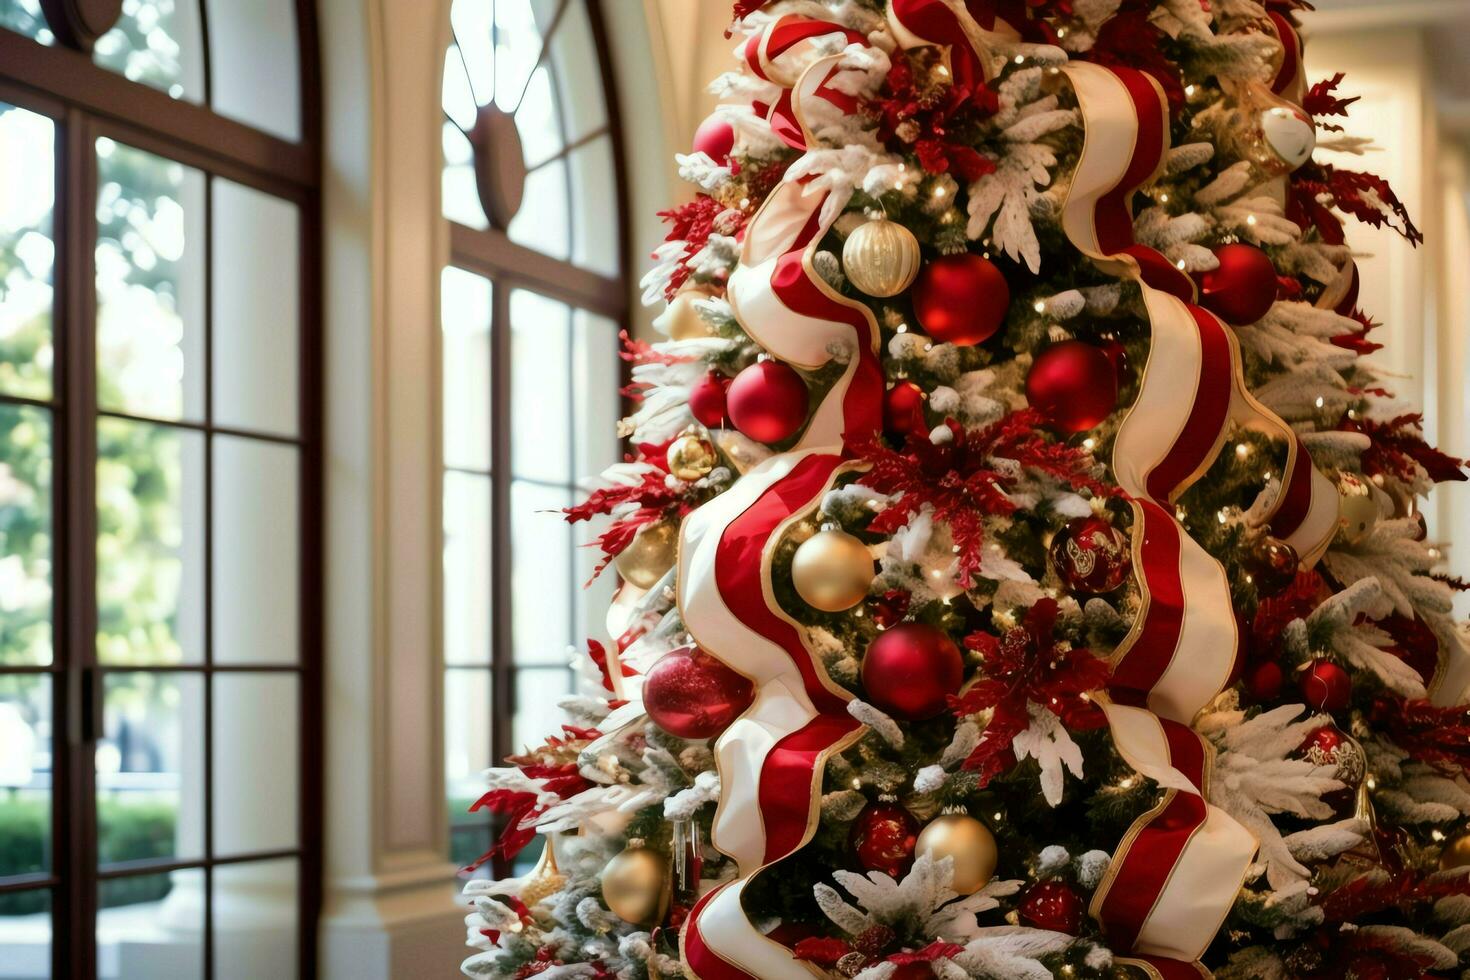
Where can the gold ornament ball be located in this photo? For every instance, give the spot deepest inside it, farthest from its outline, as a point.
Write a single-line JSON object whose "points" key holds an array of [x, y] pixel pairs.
{"points": [[681, 317], [635, 885], [691, 456], [649, 555], [881, 257], [1356, 511], [832, 570], [1456, 853], [968, 841]]}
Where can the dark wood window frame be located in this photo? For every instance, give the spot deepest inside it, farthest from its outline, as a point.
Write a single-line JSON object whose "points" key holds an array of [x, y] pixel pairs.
{"points": [[86, 102], [509, 266]]}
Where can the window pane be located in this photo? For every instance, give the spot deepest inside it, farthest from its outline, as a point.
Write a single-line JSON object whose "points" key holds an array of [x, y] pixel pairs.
{"points": [[257, 309], [595, 195], [256, 551], [25, 934], [541, 577], [467, 740], [466, 568], [541, 222], [518, 42], [157, 42], [25, 535], [461, 199], [464, 302], [470, 20], [256, 766], [538, 120], [578, 67], [541, 367], [25, 776], [150, 543], [537, 716], [150, 284], [151, 926], [596, 384], [254, 62], [255, 920], [456, 94], [25, 17], [150, 768], [27, 251]]}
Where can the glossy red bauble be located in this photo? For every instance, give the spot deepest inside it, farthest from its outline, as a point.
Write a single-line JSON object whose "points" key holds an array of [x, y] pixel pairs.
{"points": [[961, 299], [883, 837], [1242, 288], [909, 671], [715, 137], [1325, 686], [1273, 565], [767, 401], [1074, 385], [903, 410], [1053, 905], [707, 400], [1090, 556], [691, 694], [1263, 681], [1330, 746]]}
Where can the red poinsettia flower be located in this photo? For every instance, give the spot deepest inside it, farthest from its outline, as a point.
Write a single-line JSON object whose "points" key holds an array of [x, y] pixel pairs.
{"points": [[1398, 444]]}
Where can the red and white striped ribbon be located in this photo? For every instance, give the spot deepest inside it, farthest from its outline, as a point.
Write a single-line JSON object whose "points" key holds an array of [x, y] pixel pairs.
{"points": [[1177, 872], [967, 31], [781, 53], [771, 759]]}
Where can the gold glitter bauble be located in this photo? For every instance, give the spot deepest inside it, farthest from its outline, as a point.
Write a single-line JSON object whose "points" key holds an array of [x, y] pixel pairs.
{"points": [[635, 885], [681, 317], [1356, 511], [649, 555], [968, 841], [691, 456], [881, 257], [1456, 853], [832, 570]]}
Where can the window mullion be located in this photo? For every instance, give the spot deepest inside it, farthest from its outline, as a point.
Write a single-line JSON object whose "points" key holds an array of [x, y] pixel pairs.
{"points": [[502, 652]]}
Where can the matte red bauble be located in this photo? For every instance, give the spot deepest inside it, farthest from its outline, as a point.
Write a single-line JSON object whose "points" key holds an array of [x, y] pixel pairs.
{"points": [[883, 837], [1273, 565], [1053, 905], [1242, 288], [691, 694], [909, 670], [1091, 556], [707, 400], [1325, 685], [767, 401], [1333, 747], [715, 137], [1074, 385], [961, 299], [1263, 681], [903, 409]]}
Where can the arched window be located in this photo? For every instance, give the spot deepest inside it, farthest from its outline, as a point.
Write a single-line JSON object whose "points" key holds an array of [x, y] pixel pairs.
{"points": [[532, 302], [160, 508]]}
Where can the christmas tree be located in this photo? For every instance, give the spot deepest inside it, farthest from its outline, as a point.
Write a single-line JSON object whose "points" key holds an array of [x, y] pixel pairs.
{"points": [[1021, 567]]}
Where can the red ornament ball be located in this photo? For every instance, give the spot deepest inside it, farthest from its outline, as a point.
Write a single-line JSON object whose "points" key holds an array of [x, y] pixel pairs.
{"points": [[1263, 681], [1331, 746], [767, 401], [909, 671], [1273, 565], [961, 299], [903, 410], [1053, 905], [691, 694], [1074, 385], [1242, 288], [1090, 556], [1325, 685], [715, 137], [707, 400], [883, 837]]}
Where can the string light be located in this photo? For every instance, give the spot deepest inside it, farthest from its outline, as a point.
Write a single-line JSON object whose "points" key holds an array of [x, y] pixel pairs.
{"points": [[1221, 516], [1242, 450], [1320, 401], [1164, 198], [1250, 219], [1039, 306], [1020, 59], [1089, 443], [1189, 90]]}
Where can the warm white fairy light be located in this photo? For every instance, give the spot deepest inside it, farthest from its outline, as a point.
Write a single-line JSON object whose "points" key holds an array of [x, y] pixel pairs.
{"points": [[1320, 401], [1189, 90], [1242, 449], [1089, 443], [1039, 306], [1250, 219]]}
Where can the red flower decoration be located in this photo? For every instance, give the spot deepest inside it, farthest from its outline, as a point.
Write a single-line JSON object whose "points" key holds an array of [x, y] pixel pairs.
{"points": [[1398, 444], [1025, 667]]}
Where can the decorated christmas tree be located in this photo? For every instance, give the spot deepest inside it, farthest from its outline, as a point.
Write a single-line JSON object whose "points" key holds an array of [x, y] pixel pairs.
{"points": [[1021, 567]]}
